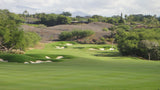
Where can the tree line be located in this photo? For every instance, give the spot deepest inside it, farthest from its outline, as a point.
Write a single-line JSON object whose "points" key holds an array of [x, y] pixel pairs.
{"points": [[46, 19], [65, 18]]}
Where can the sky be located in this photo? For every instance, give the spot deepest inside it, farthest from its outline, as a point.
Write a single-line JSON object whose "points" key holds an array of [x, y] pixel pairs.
{"points": [[84, 7]]}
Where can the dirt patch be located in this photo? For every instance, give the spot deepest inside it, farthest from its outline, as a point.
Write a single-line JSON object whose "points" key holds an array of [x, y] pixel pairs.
{"points": [[38, 46]]}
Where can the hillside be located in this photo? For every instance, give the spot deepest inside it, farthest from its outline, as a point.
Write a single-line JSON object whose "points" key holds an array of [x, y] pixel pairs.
{"points": [[51, 33]]}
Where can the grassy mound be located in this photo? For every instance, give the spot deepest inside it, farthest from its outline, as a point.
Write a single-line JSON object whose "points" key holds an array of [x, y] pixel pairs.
{"points": [[32, 57], [16, 58], [52, 57]]}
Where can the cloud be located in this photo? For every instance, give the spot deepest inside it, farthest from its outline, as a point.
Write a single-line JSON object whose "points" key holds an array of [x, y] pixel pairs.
{"points": [[88, 7]]}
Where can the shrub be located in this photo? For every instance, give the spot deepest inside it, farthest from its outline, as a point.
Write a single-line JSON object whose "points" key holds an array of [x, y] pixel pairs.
{"points": [[65, 36], [142, 42], [105, 29], [31, 38], [76, 34]]}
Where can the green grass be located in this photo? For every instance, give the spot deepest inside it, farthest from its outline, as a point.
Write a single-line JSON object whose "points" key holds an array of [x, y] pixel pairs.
{"points": [[86, 71], [16, 58], [32, 57], [36, 25]]}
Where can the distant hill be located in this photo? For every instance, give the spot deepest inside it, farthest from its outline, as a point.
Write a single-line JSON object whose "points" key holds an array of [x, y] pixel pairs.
{"points": [[51, 33]]}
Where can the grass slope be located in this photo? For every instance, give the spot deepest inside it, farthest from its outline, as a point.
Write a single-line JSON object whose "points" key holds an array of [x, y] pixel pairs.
{"points": [[83, 72]]}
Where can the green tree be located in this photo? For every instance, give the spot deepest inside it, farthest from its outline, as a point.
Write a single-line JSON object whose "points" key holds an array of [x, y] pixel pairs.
{"points": [[127, 42], [92, 20], [31, 38], [112, 20], [148, 47], [11, 36], [121, 21], [65, 36], [61, 19], [139, 42], [98, 18], [66, 14]]}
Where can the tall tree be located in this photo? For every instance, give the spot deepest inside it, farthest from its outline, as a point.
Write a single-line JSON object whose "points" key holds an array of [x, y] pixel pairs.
{"points": [[10, 34], [121, 21]]}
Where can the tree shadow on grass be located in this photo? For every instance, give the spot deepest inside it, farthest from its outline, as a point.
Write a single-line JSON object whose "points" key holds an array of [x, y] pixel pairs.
{"points": [[117, 55], [78, 47], [108, 54]]}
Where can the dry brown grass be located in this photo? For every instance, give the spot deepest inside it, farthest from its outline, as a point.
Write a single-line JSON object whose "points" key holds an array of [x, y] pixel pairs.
{"points": [[38, 46], [51, 33]]}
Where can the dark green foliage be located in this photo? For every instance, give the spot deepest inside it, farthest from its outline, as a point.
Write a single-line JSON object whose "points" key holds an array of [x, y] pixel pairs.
{"points": [[63, 20], [49, 19], [11, 35], [128, 43], [16, 58], [108, 54], [143, 19], [121, 21], [53, 57], [149, 49], [76, 34], [112, 20], [54, 19], [65, 36], [140, 42], [66, 14], [105, 47]]}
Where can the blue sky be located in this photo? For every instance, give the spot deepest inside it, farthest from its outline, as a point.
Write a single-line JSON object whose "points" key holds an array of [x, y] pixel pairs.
{"points": [[84, 7]]}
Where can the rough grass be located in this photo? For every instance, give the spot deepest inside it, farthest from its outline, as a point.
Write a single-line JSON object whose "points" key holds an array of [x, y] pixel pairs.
{"points": [[32, 57], [16, 58], [84, 72]]}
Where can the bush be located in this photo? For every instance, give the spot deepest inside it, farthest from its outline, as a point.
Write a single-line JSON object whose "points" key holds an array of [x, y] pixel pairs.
{"points": [[54, 19], [105, 29], [65, 36], [142, 42], [31, 38], [76, 34]]}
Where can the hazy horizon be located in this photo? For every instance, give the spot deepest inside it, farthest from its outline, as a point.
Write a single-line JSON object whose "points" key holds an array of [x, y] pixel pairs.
{"points": [[84, 7]]}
